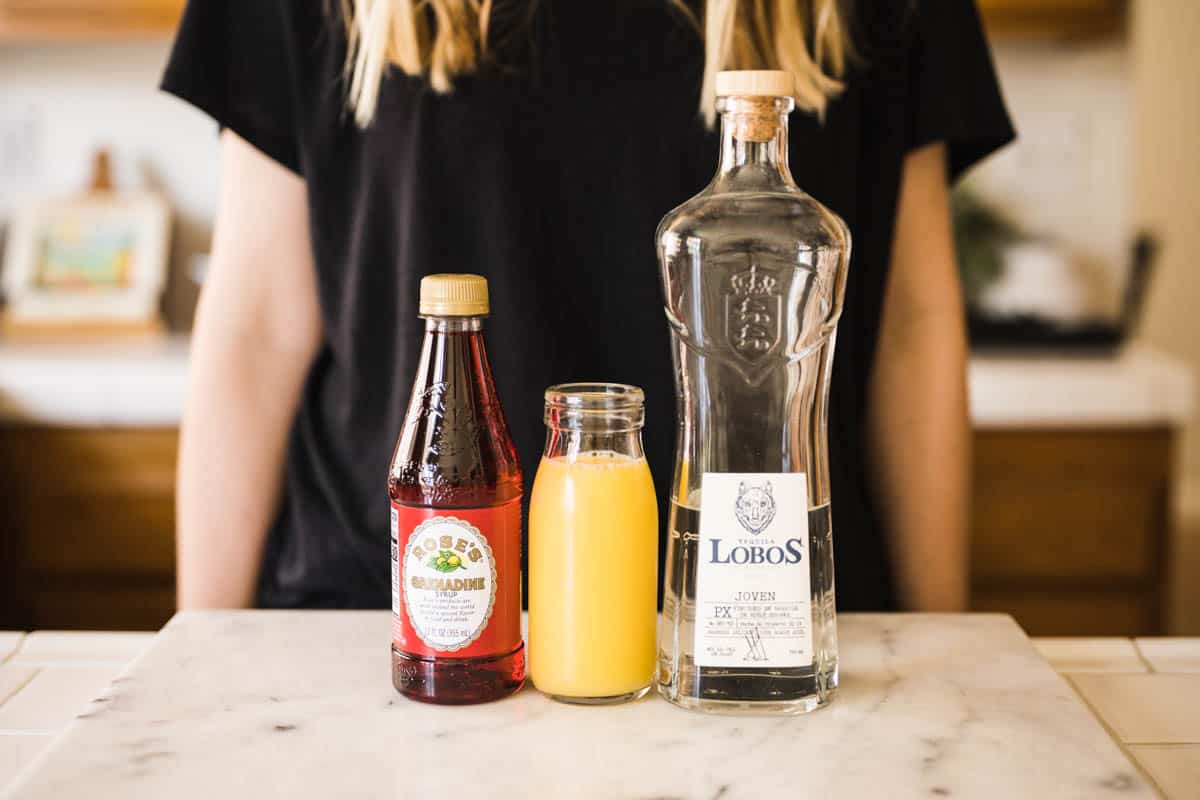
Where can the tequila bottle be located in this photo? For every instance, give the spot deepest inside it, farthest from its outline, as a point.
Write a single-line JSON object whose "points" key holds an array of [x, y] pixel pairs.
{"points": [[754, 271]]}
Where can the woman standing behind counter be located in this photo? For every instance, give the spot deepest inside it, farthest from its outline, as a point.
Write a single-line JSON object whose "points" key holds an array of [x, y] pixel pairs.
{"points": [[539, 143]]}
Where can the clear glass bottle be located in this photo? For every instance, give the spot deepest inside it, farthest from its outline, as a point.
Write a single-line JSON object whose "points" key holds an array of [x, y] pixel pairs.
{"points": [[754, 271]]}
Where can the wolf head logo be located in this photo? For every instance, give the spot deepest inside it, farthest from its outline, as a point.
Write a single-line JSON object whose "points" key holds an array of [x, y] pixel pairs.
{"points": [[755, 507]]}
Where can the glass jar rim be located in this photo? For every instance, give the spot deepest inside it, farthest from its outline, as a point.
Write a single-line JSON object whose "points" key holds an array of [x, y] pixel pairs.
{"points": [[595, 396]]}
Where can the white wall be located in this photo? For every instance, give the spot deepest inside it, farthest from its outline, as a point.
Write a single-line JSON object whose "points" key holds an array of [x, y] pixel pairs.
{"points": [[1166, 192], [1068, 175], [75, 98], [59, 103]]}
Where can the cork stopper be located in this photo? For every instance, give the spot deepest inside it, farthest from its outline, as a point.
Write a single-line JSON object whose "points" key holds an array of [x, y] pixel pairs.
{"points": [[449, 295], [755, 83], [751, 94]]}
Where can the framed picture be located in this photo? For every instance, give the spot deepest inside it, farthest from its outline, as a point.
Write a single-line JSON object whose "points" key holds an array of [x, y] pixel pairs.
{"points": [[97, 259]]}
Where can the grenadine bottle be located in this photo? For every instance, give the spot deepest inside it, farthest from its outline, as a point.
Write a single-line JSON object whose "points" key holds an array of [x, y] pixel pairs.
{"points": [[455, 490]]}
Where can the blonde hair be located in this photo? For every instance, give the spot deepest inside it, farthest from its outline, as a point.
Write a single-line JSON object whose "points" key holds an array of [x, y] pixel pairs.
{"points": [[446, 38]]}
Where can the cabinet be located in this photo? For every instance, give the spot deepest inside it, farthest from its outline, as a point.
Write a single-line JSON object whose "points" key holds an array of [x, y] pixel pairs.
{"points": [[87, 527], [65, 20], [1069, 529], [1053, 18]]}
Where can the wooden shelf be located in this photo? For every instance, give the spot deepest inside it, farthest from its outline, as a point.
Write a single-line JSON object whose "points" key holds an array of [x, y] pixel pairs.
{"points": [[87, 20], [1053, 19]]}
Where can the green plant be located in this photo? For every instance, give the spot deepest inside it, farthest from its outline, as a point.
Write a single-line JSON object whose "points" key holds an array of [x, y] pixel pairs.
{"points": [[980, 235]]}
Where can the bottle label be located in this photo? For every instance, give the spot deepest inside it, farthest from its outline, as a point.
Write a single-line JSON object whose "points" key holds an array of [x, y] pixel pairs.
{"points": [[456, 577], [753, 596]]}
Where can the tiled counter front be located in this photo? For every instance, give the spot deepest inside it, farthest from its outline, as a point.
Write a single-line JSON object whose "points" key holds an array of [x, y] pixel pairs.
{"points": [[46, 678], [1147, 693]]}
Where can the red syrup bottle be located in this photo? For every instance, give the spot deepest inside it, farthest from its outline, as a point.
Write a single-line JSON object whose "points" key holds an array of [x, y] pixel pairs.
{"points": [[455, 490]]}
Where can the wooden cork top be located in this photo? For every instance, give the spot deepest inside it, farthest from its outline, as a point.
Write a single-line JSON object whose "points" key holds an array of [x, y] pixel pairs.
{"points": [[756, 83], [755, 119], [751, 95]]}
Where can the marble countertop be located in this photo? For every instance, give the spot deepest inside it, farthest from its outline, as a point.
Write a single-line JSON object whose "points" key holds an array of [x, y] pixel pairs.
{"points": [[144, 384], [299, 704]]}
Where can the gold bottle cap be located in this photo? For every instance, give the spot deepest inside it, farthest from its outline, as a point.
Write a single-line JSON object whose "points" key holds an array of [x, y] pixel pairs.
{"points": [[756, 83], [448, 295]]}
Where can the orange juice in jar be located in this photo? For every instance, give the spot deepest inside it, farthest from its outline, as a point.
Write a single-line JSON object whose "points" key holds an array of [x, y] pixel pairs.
{"points": [[593, 549]]}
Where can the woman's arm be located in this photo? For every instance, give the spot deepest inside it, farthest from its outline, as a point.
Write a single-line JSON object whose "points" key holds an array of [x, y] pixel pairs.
{"points": [[918, 402], [257, 330]]}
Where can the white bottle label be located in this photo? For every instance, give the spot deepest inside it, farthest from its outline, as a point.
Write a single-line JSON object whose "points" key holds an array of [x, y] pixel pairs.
{"points": [[753, 580], [449, 577]]}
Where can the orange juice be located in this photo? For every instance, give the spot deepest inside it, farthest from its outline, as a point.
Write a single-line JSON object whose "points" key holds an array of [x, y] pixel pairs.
{"points": [[593, 575]]}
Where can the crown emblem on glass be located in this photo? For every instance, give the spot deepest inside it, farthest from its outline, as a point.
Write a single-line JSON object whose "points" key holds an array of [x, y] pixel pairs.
{"points": [[753, 283]]}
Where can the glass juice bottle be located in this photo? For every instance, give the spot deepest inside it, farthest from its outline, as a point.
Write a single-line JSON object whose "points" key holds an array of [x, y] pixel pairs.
{"points": [[455, 490], [593, 549], [754, 271]]}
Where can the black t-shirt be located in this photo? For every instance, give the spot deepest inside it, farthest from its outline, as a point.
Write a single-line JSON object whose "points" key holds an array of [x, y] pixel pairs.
{"points": [[548, 175]]}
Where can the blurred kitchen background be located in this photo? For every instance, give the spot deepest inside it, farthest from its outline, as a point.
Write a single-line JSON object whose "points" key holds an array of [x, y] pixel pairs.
{"points": [[1079, 249]]}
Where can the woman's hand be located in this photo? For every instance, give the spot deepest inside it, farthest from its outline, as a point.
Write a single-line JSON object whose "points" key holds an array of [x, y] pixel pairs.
{"points": [[918, 403], [257, 330]]}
